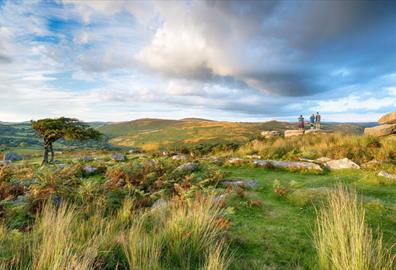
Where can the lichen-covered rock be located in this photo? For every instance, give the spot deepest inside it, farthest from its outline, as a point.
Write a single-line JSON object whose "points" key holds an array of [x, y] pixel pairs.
{"points": [[288, 164], [380, 131], [389, 118], [245, 183], [187, 167], [90, 169], [118, 157], [293, 132], [341, 164], [386, 175], [11, 156]]}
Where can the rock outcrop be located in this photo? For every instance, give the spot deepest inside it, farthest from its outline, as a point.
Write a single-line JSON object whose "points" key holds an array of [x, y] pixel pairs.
{"points": [[270, 134], [245, 183], [387, 127], [187, 168], [293, 132], [389, 118], [382, 130], [341, 164]]}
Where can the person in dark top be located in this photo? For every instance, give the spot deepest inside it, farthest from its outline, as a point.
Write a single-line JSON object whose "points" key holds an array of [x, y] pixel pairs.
{"points": [[312, 121], [301, 123], [317, 118]]}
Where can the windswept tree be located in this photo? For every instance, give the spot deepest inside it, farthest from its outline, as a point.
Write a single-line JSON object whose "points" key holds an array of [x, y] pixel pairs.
{"points": [[52, 130]]}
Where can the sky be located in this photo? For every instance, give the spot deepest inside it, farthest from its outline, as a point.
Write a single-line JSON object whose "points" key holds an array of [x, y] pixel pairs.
{"points": [[222, 60]]}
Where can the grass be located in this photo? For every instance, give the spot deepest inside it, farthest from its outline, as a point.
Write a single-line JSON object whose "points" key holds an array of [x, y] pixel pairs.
{"points": [[360, 149], [278, 234], [342, 238]]}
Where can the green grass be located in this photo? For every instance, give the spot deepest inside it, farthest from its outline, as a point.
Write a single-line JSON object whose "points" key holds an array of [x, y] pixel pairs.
{"points": [[278, 234]]}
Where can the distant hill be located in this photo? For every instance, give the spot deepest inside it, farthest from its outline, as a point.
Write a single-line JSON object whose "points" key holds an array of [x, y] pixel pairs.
{"points": [[152, 134]]}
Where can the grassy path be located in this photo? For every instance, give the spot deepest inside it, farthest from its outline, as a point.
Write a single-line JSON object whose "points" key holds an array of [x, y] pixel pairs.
{"points": [[277, 234]]}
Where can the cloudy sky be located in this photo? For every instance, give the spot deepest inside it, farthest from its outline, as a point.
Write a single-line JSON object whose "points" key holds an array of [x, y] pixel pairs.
{"points": [[226, 60]]}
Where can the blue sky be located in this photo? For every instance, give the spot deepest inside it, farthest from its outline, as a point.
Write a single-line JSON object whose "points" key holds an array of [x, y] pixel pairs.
{"points": [[225, 60]]}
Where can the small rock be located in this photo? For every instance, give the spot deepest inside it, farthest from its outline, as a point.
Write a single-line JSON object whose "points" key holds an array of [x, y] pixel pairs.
{"points": [[87, 158], [341, 164], [245, 183], [134, 151], [386, 175], [61, 166], [187, 167], [270, 134], [179, 157], [5, 162], [160, 204], [118, 157], [293, 132], [288, 164], [11, 156], [90, 169]]}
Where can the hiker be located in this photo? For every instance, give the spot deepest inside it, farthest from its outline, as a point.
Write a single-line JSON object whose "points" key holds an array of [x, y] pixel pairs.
{"points": [[317, 120], [312, 121], [301, 123]]}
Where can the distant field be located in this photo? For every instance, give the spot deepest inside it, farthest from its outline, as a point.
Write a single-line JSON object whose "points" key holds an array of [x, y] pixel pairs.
{"points": [[153, 134]]}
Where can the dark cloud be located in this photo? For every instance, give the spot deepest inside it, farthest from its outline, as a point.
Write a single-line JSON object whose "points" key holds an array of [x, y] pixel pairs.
{"points": [[5, 59]]}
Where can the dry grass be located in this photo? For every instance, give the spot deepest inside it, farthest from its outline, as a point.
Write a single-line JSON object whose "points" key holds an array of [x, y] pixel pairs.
{"points": [[358, 148], [342, 239]]}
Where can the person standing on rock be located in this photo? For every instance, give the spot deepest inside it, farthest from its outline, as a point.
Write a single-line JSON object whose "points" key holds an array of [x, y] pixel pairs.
{"points": [[312, 121], [301, 123], [317, 120]]}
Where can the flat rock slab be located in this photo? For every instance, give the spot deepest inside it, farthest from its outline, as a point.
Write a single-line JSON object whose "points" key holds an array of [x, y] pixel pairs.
{"points": [[386, 175], [293, 132], [245, 183], [288, 164], [341, 164], [322, 159], [389, 118], [380, 131]]}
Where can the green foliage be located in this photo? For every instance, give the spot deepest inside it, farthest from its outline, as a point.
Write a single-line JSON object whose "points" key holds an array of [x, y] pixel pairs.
{"points": [[66, 128]]}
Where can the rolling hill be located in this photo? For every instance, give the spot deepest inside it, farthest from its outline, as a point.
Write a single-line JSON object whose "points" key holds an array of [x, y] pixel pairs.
{"points": [[153, 134]]}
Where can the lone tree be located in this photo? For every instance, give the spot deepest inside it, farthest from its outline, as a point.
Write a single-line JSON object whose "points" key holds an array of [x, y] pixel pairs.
{"points": [[52, 130]]}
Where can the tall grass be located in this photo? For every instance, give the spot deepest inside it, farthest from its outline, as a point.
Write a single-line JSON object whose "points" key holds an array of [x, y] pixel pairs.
{"points": [[358, 148], [342, 239]]}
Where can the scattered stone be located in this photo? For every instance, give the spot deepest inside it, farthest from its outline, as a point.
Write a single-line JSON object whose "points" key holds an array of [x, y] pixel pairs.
{"points": [[11, 156], [87, 158], [270, 134], [288, 164], [245, 183], [118, 157], [134, 151], [341, 164], [160, 204], [187, 167], [293, 132], [90, 169], [371, 163], [179, 157], [380, 131], [389, 118], [386, 175], [253, 156], [61, 166]]}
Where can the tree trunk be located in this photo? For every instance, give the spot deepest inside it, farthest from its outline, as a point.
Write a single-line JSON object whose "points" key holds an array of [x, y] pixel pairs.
{"points": [[52, 153], [45, 158]]}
